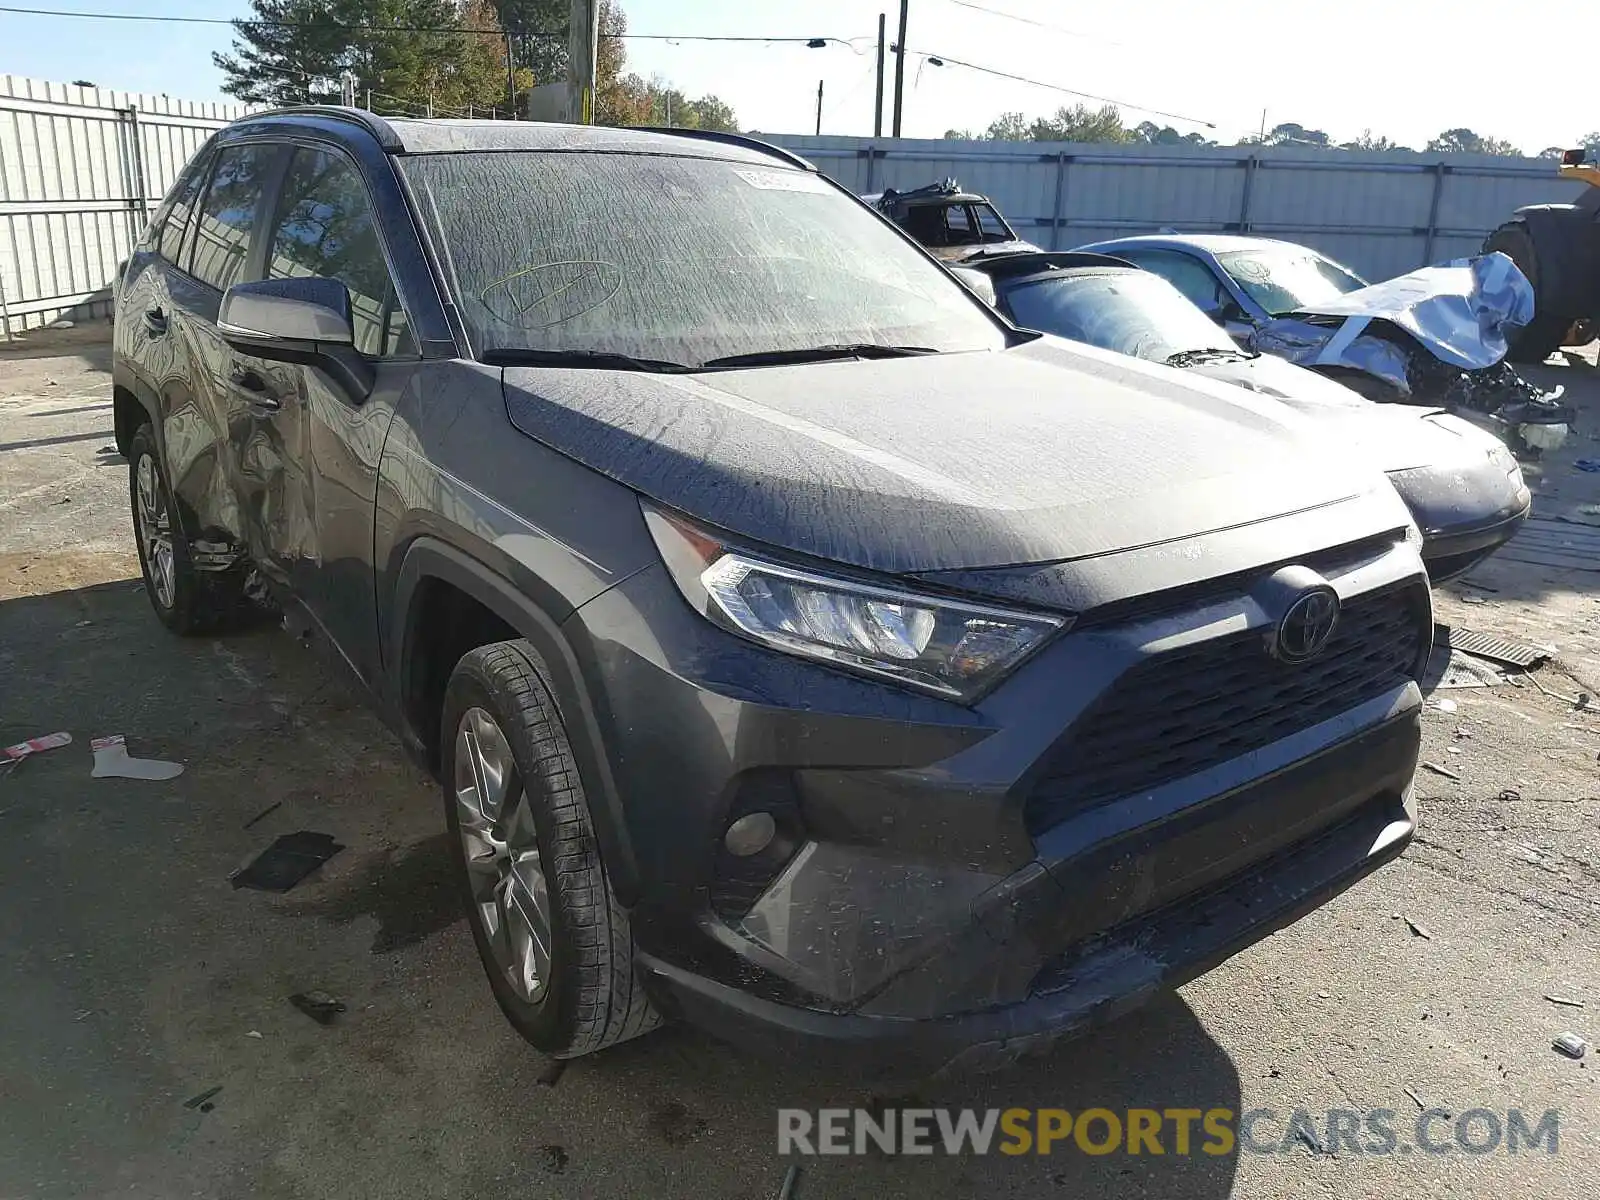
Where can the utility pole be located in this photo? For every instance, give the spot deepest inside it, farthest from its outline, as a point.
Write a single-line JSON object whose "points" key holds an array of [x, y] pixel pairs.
{"points": [[900, 66], [819, 108], [583, 50], [877, 109], [511, 77]]}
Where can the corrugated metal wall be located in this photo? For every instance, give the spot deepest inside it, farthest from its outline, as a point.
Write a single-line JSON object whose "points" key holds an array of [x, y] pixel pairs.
{"points": [[80, 171], [1383, 214]]}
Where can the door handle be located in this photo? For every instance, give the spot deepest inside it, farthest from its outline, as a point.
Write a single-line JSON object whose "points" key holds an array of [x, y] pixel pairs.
{"points": [[155, 320], [257, 395]]}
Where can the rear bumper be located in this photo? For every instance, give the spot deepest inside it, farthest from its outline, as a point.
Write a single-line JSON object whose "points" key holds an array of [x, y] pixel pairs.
{"points": [[1304, 833]]}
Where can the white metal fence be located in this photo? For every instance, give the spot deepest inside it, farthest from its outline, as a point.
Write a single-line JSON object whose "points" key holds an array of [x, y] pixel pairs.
{"points": [[1383, 214], [81, 169]]}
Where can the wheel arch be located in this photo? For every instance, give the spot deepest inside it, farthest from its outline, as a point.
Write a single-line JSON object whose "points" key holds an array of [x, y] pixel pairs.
{"points": [[430, 564]]}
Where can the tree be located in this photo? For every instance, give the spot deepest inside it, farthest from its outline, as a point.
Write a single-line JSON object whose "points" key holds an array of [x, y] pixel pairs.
{"points": [[1081, 123], [1008, 127], [1366, 141], [1590, 141], [408, 53], [1465, 141], [538, 30], [1552, 152], [1151, 134]]}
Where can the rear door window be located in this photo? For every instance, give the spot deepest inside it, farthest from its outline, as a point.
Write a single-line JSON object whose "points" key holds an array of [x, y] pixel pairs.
{"points": [[324, 226], [1186, 273], [220, 249], [169, 239]]}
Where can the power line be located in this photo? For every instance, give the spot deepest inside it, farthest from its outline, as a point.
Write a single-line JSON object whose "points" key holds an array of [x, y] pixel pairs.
{"points": [[1056, 87], [237, 21]]}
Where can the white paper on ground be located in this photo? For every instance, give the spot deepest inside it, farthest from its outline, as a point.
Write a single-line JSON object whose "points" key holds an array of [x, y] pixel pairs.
{"points": [[111, 761]]}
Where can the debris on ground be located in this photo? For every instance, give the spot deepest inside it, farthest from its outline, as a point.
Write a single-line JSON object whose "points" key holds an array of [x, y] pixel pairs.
{"points": [[1412, 1092], [319, 1006], [1446, 705], [1565, 1001], [1571, 1045], [555, 1159], [1448, 669], [112, 761], [1497, 650], [265, 812], [203, 1100], [286, 862], [50, 741], [1438, 770], [1418, 930], [254, 1033], [790, 1178], [1588, 464], [1510, 794]]}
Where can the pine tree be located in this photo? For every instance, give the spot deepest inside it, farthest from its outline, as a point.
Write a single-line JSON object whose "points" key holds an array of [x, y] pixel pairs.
{"points": [[414, 56]]}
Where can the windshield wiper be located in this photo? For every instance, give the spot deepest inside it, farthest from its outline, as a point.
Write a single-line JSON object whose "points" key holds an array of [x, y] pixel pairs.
{"points": [[1185, 358], [778, 358], [597, 360]]}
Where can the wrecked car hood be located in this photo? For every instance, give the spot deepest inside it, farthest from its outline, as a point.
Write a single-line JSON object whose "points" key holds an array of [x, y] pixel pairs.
{"points": [[1459, 312], [1387, 437], [1045, 452]]}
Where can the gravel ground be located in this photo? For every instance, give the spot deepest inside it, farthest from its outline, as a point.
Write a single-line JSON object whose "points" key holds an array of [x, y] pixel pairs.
{"points": [[136, 978]]}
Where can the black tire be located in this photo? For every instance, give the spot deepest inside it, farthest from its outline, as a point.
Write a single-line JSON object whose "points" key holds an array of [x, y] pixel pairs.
{"points": [[1542, 336], [592, 997], [191, 602]]}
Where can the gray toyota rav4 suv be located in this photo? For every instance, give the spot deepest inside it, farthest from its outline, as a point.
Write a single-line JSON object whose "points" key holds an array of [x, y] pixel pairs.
{"points": [[804, 651]]}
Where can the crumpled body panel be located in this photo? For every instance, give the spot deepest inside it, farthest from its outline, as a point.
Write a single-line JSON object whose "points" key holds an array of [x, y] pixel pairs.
{"points": [[1459, 312]]}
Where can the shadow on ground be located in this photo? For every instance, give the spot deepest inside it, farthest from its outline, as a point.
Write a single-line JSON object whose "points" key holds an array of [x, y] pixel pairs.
{"points": [[143, 979]]}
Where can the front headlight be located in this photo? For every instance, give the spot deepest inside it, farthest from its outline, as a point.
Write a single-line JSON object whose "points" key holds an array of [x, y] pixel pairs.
{"points": [[941, 645]]}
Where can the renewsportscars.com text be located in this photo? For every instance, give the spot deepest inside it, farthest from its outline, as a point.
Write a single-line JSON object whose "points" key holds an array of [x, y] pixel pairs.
{"points": [[1167, 1131]]}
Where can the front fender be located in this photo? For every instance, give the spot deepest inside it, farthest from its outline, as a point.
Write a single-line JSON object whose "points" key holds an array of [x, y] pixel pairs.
{"points": [[428, 558]]}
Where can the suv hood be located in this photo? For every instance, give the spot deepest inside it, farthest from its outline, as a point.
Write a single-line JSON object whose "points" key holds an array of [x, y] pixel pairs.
{"points": [[1391, 437], [1044, 452]]}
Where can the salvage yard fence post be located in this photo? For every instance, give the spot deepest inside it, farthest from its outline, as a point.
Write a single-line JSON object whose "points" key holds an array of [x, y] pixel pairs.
{"points": [[81, 170], [1383, 213]]}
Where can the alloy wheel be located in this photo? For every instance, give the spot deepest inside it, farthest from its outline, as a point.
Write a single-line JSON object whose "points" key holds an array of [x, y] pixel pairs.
{"points": [[155, 530], [501, 850]]}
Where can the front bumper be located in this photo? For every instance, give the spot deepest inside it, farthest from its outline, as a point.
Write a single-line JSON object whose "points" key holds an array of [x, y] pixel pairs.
{"points": [[916, 901], [1126, 965]]}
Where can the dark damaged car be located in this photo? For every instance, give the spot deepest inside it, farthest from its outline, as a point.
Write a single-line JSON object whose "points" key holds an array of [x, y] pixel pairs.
{"points": [[1435, 337], [1463, 487], [804, 651]]}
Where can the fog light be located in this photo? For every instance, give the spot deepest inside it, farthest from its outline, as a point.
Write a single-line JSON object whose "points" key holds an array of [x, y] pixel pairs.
{"points": [[750, 834]]}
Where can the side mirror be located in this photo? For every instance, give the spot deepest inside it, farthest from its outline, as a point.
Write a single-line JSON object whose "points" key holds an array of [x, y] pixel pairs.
{"points": [[300, 320]]}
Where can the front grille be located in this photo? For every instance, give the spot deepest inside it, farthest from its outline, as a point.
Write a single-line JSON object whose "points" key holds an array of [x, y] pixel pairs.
{"points": [[1189, 709]]}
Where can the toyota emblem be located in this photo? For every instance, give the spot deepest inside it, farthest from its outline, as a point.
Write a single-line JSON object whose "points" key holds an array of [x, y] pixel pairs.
{"points": [[1307, 626]]}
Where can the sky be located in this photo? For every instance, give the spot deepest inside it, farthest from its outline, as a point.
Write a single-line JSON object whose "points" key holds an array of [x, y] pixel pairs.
{"points": [[1403, 68]]}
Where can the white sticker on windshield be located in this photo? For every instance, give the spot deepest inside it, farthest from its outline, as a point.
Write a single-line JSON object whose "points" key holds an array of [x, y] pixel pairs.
{"points": [[781, 181]]}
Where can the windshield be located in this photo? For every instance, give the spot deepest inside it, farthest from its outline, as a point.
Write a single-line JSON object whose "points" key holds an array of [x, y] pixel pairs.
{"points": [[678, 259], [1131, 312], [1286, 279]]}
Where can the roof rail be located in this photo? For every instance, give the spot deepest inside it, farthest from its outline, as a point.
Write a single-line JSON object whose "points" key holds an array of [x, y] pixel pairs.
{"points": [[371, 122], [732, 139]]}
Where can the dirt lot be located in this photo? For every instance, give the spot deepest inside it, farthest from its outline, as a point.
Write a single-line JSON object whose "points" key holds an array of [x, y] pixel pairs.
{"points": [[136, 978]]}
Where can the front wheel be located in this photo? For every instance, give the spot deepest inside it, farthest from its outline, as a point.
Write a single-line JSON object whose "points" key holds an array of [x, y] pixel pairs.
{"points": [[187, 601], [554, 942]]}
